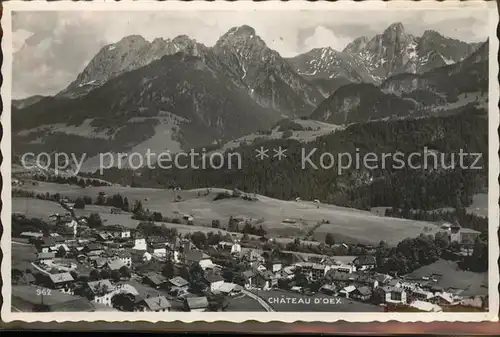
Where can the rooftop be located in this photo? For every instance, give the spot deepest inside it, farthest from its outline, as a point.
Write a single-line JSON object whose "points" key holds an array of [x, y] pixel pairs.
{"points": [[60, 278], [178, 281], [157, 303], [156, 278], [197, 302]]}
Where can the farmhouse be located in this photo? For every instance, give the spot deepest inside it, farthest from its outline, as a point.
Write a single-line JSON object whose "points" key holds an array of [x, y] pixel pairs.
{"points": [[362, 293], [115, 264], [327, 289], [264, 280], [196, 304], [140, 242], [46, 257], [365, 262], [179, 282], [62, 280], [123, 256], [347, 291], [154, 304], [214, 281], [154, 279], [119, 232], [192, 256], [94, 249], [393, 295], [46, 244], [100, 291], [229, 289]]}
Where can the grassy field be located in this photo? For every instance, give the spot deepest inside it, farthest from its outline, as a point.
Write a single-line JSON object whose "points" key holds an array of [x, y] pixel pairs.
{"points": [[22, 256], [36, 208], [453, 277], [346, 223], [318, 303]]}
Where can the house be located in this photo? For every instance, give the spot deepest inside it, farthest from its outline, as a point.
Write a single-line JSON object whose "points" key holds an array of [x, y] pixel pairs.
{"points": [[365, 279], [365, 262], [104, 237], [214, 281], [264, 280], [140, 243], [261, 268], [394, 295], [147, 256], [45, 257], [247, 276], [154, 304], [196, 304], [154, 279], [229, 289], [100, 291], [286, 273], [62, 280], [395, 283], [207, 264], [382, 279], [236, 249], [465, 235], [225, 245], [418, 293], [426, 306], [342, 267], [46, 244], [312, 271], [120, 232], [362, 293], [347, 291], [98, 262], [156, 240], [115, 264], [94, 249], [123, 256], [158, 249], [252, 255], [444, 299], [327, 289], [276, 267], [179, 283], [192, 256]]}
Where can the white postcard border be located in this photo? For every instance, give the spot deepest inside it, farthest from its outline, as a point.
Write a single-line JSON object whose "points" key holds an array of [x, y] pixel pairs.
{"points": [[493, 193]]}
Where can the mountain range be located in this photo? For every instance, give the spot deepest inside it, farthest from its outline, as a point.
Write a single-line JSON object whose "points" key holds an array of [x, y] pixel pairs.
{"points": [[180, 93]]}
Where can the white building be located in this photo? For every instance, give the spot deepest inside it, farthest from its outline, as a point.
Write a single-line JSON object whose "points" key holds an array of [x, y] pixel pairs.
{"points": [[236, 248], [140, 244]]}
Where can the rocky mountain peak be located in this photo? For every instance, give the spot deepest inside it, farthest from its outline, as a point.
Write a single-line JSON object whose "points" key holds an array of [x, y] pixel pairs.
{"points": [[357, 45], [395, 33], [244, 31], [131, 42], [241, 35]]}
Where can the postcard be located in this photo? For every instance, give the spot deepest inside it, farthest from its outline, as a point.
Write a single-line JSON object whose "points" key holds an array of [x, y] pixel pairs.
{"points": [[238, 161]]}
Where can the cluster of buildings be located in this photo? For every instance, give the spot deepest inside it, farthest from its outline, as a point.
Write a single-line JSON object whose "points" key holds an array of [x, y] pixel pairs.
{"points": [[110, 249]]}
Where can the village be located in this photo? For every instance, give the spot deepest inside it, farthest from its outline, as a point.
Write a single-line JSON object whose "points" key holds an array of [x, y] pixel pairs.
{"points": [[117, 268]]}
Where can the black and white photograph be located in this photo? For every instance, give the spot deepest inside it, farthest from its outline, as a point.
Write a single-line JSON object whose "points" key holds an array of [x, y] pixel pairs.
{"points": [[258, 161]]}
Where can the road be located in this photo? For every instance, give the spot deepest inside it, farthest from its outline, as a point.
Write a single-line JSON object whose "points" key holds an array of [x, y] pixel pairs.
{"points": [[261, 301]]}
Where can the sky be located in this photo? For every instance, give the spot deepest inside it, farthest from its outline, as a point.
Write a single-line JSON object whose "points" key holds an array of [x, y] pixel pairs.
{"points": [[51, 47]]}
